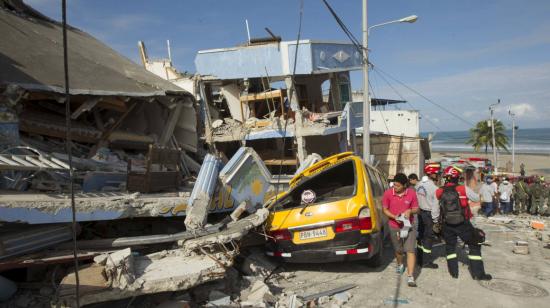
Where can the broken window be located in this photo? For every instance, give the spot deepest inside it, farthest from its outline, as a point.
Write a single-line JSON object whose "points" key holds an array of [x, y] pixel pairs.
{"points": [[330, 185]]}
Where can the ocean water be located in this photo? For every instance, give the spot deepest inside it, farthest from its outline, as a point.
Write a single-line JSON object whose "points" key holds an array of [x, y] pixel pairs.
{"points": [[528, 141]]}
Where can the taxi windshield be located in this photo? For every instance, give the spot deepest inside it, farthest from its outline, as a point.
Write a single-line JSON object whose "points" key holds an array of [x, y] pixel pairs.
{"points": [[332, 184]]}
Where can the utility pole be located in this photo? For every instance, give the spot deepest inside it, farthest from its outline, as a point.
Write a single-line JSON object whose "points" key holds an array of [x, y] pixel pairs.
{"points": [[513, 115], [492, 109], [366, 98]]}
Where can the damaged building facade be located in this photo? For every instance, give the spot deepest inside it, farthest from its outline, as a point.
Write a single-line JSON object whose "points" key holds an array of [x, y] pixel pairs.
{"points": [[122, 118]]}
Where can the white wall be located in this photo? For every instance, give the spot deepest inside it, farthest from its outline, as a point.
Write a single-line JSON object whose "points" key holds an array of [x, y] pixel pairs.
{"points": [[398, 122]]}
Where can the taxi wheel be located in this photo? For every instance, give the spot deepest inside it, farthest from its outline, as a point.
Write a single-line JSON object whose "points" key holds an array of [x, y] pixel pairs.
{"points": [[376, 259]]}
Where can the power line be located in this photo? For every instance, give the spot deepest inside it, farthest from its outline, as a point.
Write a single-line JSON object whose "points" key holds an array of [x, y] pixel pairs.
{"points": [[344, 28], [426, 98], [403, 98], [290, 95]]}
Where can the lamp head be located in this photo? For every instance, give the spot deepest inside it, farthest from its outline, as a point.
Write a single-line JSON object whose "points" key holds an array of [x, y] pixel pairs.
{"points": [[409, 19]]}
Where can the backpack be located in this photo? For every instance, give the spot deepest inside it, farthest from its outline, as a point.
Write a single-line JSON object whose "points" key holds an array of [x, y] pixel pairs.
{"points": [[453, 214]]}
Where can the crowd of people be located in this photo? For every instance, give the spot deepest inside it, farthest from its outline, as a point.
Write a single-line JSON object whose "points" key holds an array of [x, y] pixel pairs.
{"points": [[436, 206], [503, 196]]}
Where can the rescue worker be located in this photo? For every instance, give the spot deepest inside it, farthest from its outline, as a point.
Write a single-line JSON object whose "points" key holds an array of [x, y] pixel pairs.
{"points": [[456, 214], [521, 196], [428, 216], [537, 194]]}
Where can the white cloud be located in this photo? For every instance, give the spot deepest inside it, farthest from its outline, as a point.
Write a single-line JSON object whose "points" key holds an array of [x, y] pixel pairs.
{"points": [[520, 110], [539, 36], [524, 89]]}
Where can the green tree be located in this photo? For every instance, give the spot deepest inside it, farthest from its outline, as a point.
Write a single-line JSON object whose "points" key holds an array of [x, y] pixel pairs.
{"points": [[481, 136]]}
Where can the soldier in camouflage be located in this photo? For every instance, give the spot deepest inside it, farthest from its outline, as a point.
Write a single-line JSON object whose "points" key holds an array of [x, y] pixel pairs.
{"points": [[537, 193], [521, 196]]}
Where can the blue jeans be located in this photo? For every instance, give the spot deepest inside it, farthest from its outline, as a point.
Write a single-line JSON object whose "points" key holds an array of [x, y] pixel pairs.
{"points": [[487, 208], [505, 207]]}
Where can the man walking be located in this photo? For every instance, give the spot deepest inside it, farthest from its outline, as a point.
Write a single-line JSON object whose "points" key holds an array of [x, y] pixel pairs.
{"points": [[521, 196], [505, 195], [488, 193], [428, 216], [399, 204], [456, 214]]}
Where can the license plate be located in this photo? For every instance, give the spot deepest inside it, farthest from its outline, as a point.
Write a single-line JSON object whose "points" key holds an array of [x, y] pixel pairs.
{"points": [[315, 233]]}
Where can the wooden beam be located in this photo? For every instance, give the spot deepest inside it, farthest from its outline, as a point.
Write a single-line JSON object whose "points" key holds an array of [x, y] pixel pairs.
{"points": [[86, 106], [171, 124]]}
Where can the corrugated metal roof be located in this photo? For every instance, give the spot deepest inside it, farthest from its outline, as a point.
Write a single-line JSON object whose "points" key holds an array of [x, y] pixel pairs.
{"points": [[31, 56]]}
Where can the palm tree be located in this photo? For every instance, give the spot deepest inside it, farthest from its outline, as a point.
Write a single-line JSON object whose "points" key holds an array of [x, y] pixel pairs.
{"points": [[481, 135]]}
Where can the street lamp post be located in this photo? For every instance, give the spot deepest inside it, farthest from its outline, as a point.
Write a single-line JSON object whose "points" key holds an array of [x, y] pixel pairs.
{"points": [[366, 98], [492, 109], [513, 115]]}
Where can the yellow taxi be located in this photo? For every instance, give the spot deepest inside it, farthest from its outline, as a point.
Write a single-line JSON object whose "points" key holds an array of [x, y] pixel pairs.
{"points": [[331, 212]]}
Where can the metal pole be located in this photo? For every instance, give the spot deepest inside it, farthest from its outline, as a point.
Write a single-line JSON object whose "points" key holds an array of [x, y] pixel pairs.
{"points": [[366, 98], [513, 141], [493, 136], [169, 51], [247, 31]]}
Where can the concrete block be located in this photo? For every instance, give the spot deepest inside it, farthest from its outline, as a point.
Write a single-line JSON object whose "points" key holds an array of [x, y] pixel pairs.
{"points": [[257, 264], [323, 300], [341, 298], [218, 299], [521, 248]]}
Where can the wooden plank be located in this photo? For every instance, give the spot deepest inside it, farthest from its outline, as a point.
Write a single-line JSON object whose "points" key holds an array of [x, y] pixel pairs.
{"points": [[263, 96], [86, 106], [171, 124], [285, 162]]}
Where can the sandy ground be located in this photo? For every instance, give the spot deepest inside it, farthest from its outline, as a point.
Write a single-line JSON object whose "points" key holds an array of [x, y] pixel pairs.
{"points": [[519, 280], [534, 163]]}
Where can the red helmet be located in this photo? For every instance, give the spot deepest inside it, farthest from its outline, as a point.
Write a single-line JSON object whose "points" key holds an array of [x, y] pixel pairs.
{"points": [[432, 169], [452, 171]]}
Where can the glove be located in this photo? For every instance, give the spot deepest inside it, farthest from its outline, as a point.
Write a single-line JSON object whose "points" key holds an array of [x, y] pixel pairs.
{"points": [[436, 228]]}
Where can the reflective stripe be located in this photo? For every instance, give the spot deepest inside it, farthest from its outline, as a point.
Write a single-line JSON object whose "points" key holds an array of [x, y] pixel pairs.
{"points": [[474, 258], [451, 256], [424, 249]]}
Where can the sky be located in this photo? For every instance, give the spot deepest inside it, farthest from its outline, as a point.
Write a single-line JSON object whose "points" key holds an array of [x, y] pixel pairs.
{"points": [[461, 55]]}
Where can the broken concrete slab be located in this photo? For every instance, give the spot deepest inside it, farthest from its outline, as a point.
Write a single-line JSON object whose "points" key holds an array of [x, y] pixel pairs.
{"points": [[257, 293], [173, 270], [119, 268], [341, 298], [257, 264], [234, 231], [218, 299], [201, 196], [35, 208]]}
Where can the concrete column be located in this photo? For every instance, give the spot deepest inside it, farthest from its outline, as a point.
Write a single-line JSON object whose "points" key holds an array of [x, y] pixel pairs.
{"points": [[292, 95], [300, 140]]}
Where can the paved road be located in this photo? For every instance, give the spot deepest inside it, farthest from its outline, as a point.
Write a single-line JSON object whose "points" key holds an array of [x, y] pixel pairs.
{"points": [[520, 280]]}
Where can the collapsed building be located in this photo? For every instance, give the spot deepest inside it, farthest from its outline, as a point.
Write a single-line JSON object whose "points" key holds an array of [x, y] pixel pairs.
{"points": [[138, 169], [251, 105]]}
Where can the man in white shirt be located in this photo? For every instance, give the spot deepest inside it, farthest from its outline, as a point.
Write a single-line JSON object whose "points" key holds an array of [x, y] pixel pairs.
{"points": [[487, 192]]}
